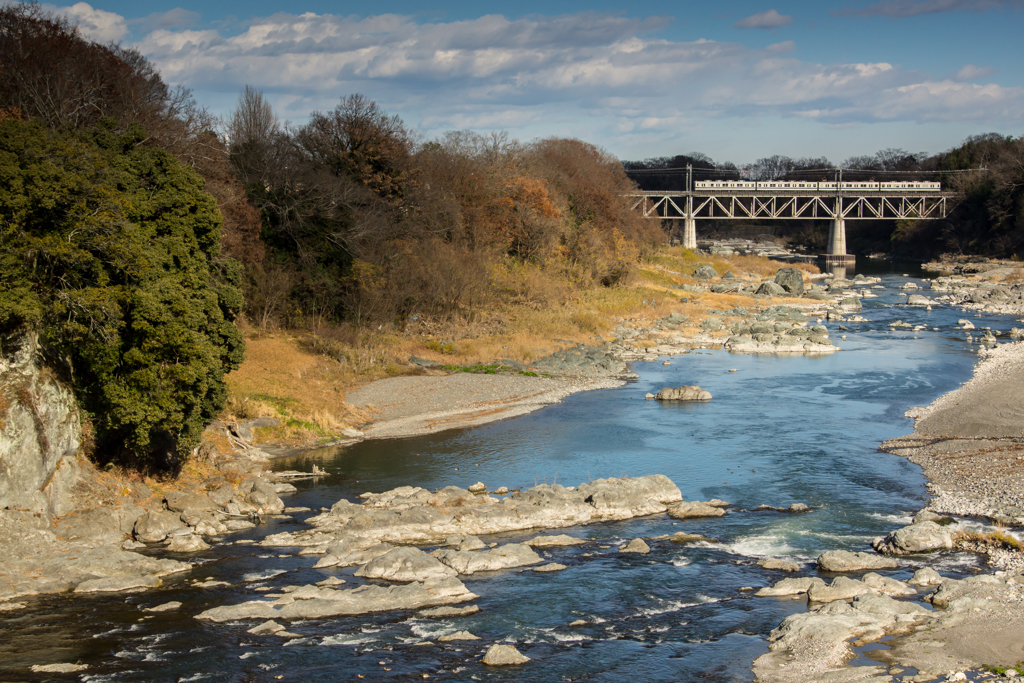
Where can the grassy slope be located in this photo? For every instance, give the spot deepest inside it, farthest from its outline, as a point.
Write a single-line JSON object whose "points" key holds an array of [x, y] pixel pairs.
{"points": [[302, 376]]}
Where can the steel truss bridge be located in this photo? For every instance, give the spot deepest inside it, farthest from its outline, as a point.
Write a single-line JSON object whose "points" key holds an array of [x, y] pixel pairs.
{"points": [[788, 203]]}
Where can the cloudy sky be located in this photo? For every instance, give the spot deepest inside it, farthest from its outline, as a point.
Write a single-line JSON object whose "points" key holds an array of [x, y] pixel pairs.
{"points": [[737, 80]]}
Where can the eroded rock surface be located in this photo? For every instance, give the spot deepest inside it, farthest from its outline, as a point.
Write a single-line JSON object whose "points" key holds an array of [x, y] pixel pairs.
{"points": [[405, 564], [916, 538], [502, 557], [846, 561], [318, 603], [412, 515]]}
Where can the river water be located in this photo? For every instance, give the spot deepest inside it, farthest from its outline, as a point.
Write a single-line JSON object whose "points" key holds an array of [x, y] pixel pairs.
{"points": [[779, 430]]}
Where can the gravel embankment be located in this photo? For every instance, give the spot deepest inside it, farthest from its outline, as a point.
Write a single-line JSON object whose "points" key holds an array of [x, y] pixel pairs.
{"points": [[970, 442], [413, 406]]}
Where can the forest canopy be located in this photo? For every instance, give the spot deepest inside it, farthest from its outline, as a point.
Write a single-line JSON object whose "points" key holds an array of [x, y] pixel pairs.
{"points": [[111, 251]]}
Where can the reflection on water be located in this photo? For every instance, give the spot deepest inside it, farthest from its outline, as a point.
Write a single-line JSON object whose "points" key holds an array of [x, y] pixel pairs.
{"points": [[779, 430]]}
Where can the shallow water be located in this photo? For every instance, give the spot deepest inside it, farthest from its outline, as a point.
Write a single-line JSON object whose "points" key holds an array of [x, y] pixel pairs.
{"points": [[779, 430]]}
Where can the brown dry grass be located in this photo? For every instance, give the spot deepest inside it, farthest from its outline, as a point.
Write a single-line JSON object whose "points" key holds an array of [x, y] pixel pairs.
{"points": [[685, 261], [303, 376], [282, 377]]}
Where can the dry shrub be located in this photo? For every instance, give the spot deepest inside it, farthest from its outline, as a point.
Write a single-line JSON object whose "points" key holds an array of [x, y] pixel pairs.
{"points": [[246, 408], [268, 288], [526, 284], [402, 279], [588, 321]]}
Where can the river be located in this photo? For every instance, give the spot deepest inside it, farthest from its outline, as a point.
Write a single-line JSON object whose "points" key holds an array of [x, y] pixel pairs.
{"points": [[779, 430]]}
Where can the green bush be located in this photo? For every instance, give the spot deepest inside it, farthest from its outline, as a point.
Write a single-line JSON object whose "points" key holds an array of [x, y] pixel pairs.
{"points": [[110, 251]]}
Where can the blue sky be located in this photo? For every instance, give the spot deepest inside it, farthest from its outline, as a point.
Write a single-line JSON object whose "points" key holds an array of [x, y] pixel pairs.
{"points": [[736, 81]]}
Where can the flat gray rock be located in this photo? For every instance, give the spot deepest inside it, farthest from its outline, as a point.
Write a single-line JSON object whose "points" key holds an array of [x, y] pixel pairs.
{"points": [[187, 544], [685, 393], [554, 541], [637, 545], [794, 586], [405, 564], [414, 516], [688, 510], [781, 565], [266, 628], [550, 567], [502, 557], [59, 668], [114, 585], [347, 552], [179, 501], [320, 603], [916, 538], [165, 607], [683, 537], [846, 561], [841, 588], [887, 585], [458, 635], [446, 612]]}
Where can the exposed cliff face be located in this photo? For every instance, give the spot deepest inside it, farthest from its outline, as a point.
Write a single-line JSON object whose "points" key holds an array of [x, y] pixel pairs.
{"points": [[40, 433]]}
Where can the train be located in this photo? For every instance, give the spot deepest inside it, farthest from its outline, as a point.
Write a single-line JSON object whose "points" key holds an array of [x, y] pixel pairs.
{"points": [[774, 185]]}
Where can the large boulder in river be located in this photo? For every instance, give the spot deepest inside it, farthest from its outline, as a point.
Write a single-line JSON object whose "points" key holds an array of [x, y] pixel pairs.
{"points": [[504, 655], [405, 564], [845, 561], [791, 280], [687, 393], [502, 557], [916, 538], [156, 525]]}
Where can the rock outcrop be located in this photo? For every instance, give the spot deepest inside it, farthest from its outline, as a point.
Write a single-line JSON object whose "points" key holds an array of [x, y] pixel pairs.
{"points": [[502, 557], [40, 432], [916, 538], [846, 561], [416, 516], [791, 280], [312, 602], [504, 655], [686, 393]]}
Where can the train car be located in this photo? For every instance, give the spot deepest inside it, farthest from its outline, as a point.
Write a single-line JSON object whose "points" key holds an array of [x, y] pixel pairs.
{"points": [[823, 186]]}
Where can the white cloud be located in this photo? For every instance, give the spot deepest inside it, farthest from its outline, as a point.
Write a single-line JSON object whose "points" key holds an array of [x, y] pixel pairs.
{"points": [[175, 18], [768, 19], [96, 24], [970, 72], [588, 74]]}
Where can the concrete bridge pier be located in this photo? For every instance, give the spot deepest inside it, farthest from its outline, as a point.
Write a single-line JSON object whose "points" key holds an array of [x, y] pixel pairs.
{"points": [[689, 233], [836, 254], [837, 237]]}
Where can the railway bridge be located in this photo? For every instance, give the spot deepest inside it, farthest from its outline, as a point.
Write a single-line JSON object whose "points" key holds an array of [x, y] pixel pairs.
{"points": [[835, 201]]}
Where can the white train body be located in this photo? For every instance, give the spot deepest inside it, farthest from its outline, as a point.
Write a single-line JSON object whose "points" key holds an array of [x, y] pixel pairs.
{"points": [[774, 185]]}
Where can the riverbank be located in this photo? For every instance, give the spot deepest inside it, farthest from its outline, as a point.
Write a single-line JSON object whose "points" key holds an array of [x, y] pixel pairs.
{"points": [[970, 445]]}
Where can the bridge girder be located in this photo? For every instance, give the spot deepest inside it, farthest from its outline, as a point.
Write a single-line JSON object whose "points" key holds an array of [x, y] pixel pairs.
{"points": [[728, 205]]}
